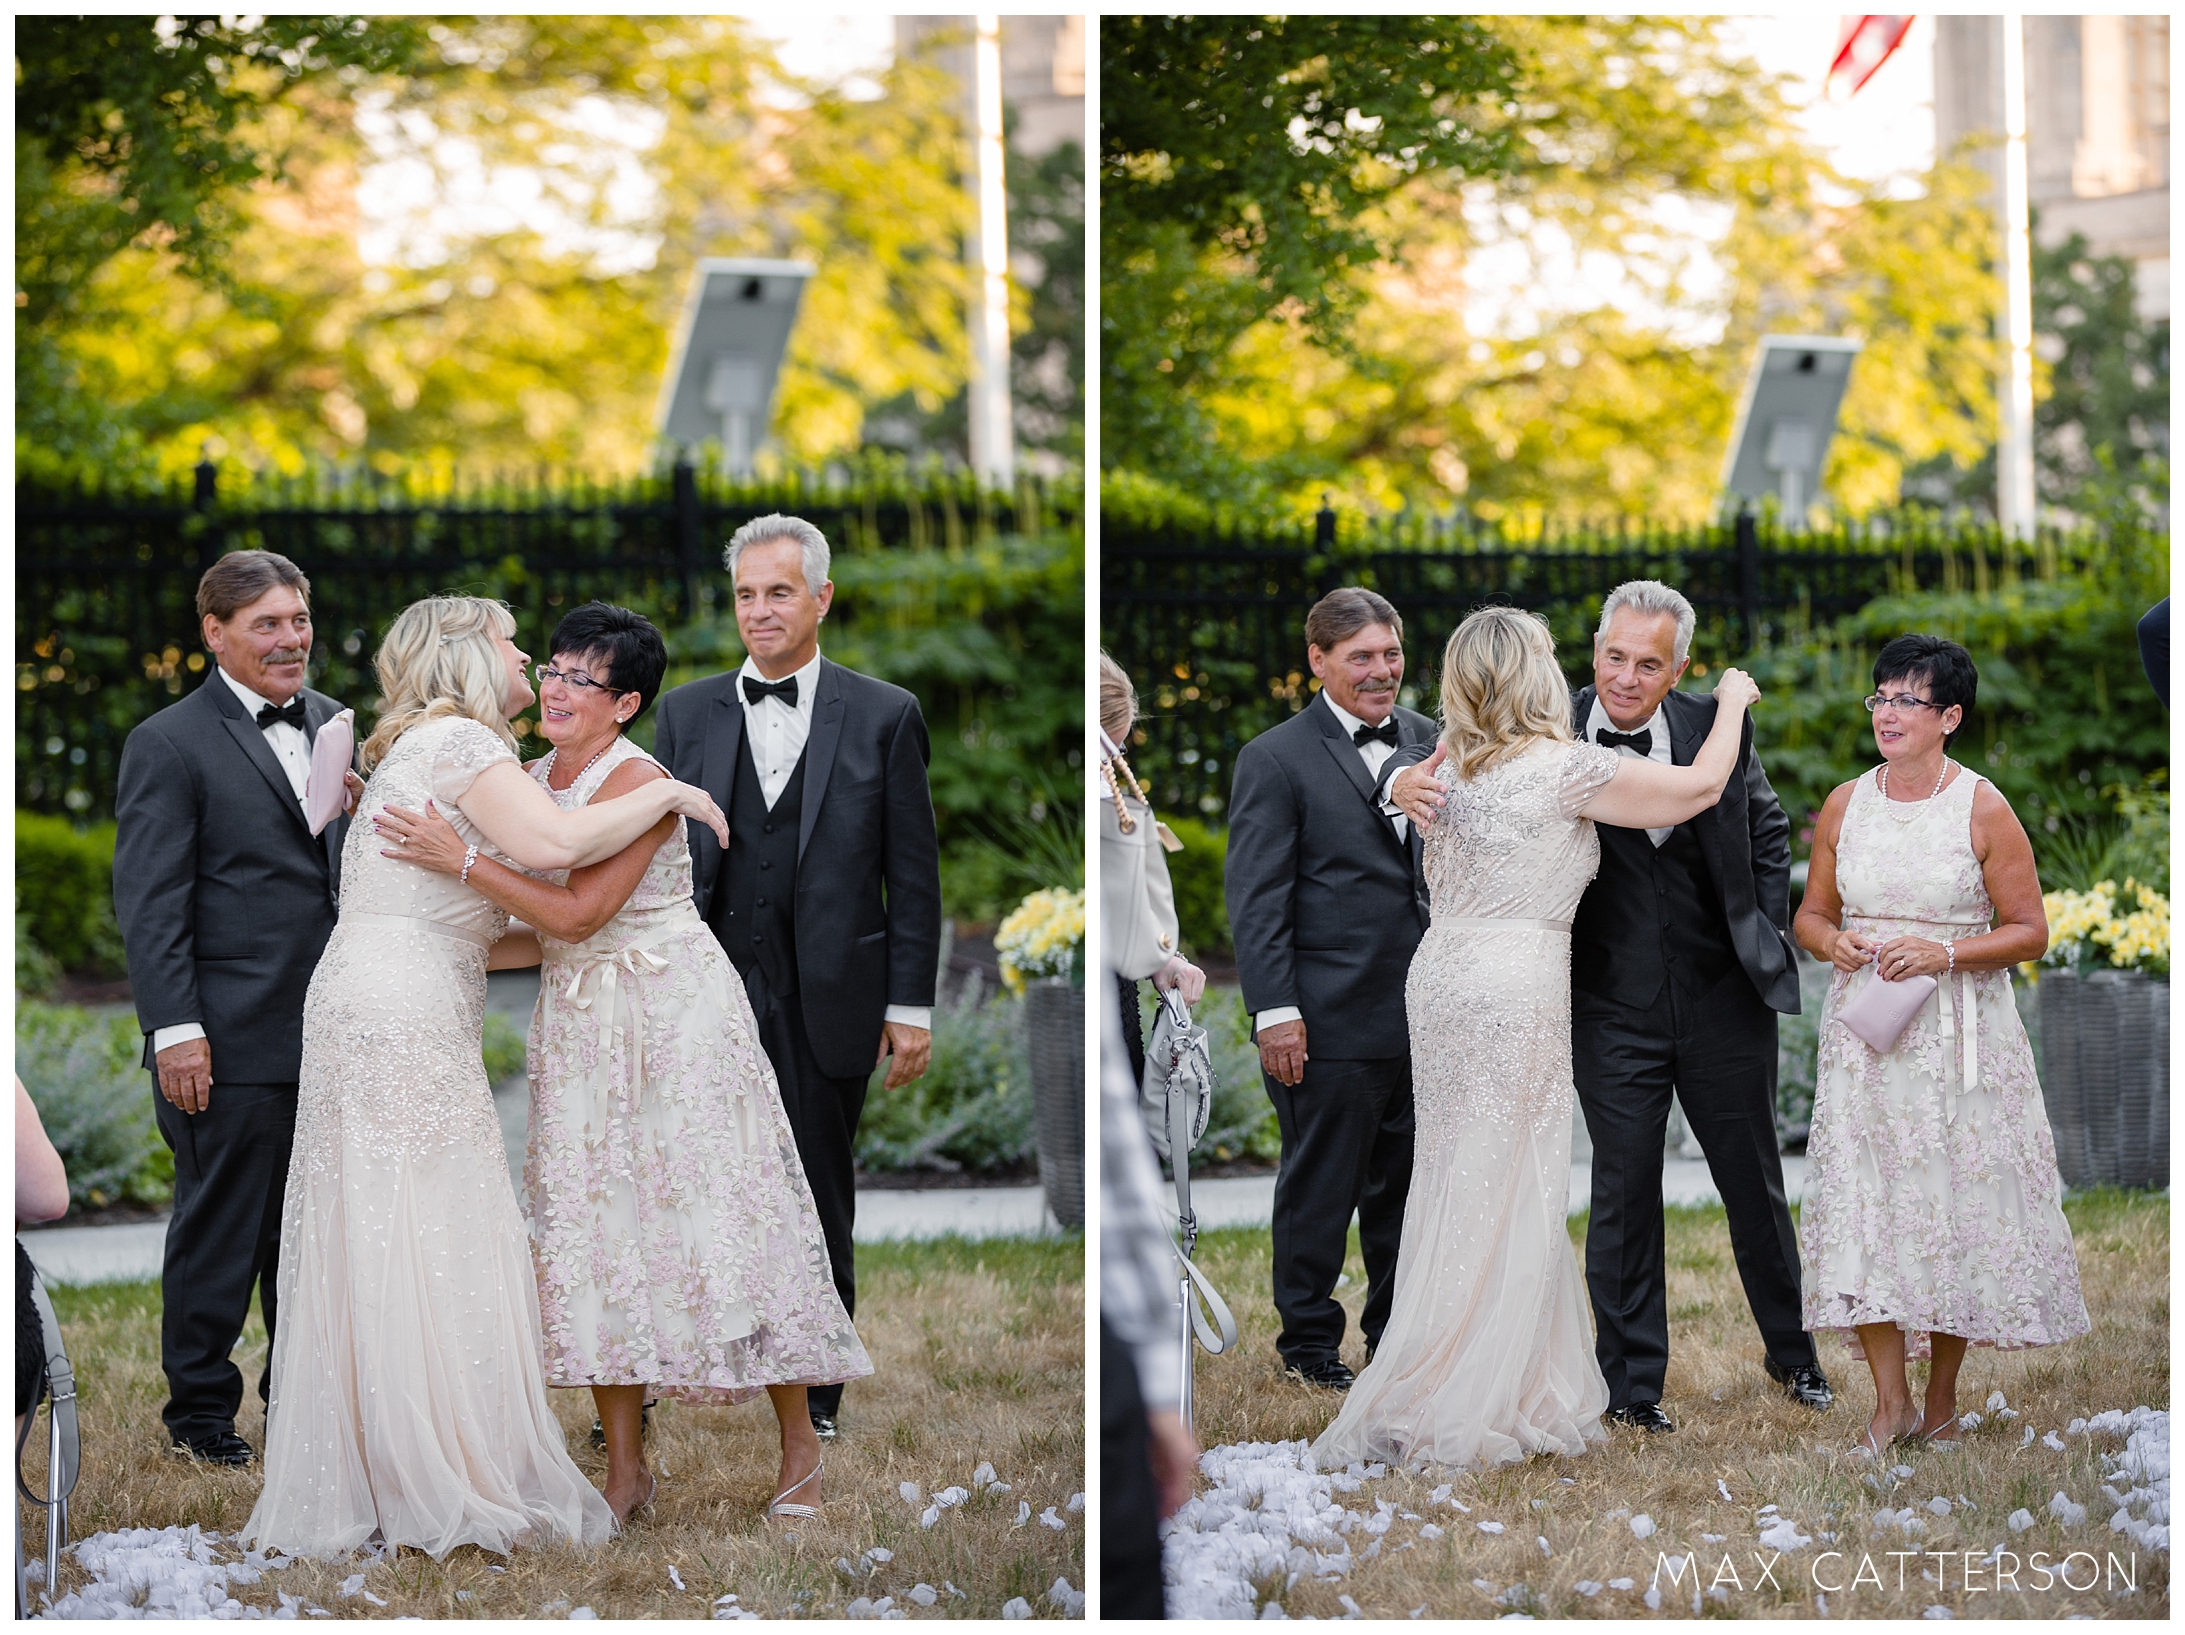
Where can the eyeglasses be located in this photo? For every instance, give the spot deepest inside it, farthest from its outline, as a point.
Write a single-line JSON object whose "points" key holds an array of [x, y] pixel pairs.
{"points": [[574, 678], [1902, 701]]}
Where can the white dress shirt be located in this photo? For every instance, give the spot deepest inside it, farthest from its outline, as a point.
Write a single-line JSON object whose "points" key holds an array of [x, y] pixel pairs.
{"points": [[1654, 724], [1375, 755], [293, 751], [777, 732]]}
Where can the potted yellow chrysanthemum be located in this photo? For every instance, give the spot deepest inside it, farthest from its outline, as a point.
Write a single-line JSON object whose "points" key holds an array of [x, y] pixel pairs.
{"points": [[1041, 946], [2104, 997]]}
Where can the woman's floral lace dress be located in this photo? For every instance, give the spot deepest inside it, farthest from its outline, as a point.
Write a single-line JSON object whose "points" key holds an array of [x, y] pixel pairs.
{"points": [[408, 1403], [674, 1235], [1488, 1354], [1932, 1199]]}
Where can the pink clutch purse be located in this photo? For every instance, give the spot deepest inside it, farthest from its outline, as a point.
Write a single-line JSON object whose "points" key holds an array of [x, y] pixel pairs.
{"points": [[1881, 1011], [324, 794]]}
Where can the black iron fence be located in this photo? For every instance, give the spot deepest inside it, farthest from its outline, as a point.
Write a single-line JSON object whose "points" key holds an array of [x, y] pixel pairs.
{"points": [[1208, 619], [105, 583]]}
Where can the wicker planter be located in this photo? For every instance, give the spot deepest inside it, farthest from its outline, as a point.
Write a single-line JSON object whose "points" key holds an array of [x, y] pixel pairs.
{"points": [[2105, 1074], [1054, 1019]]}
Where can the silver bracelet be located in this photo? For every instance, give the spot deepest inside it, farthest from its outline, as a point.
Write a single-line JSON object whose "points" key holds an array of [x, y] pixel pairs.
{"points": [[470, 856], [1950, 949]]}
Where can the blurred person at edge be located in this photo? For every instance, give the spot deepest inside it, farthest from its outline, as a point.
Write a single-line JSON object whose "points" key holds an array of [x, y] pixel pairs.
{"points": [[41, 1194], [1933, 1213], [1146, 1455], [1137, 905]]}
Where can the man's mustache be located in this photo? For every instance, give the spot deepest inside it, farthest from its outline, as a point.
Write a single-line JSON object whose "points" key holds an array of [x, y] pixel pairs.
{"points": [[288, 655], [1377, 686]]}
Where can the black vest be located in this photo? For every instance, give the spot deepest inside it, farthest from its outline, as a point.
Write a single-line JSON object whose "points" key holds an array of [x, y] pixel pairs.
{"points": [[1653, 912], [754, 907]]}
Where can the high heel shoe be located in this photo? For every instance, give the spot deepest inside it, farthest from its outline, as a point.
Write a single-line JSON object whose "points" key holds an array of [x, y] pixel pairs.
{"points": [[651, 1493], [1923, 1435], [782, 1507]]}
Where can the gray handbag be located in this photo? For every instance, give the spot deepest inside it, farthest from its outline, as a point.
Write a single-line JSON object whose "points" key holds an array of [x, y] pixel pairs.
{"points": [[1176, 1103]]}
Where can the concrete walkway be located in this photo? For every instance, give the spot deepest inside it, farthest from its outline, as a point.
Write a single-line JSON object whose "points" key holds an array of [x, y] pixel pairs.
{"points": [[1249, 1200]]}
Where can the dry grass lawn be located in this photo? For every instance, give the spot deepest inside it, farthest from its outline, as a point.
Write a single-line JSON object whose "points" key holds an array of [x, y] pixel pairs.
{"points": [[979, 1351], [1736, 1428]]}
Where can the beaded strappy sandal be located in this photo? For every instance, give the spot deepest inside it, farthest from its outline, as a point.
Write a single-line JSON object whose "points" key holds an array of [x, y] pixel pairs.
{"points": [[783, 1509]]}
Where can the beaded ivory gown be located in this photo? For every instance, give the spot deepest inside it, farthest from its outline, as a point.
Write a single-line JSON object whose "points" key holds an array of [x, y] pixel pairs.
{"points": [[674, 1234], [408, 1397], [1488, 1354], [1932, 1198]]}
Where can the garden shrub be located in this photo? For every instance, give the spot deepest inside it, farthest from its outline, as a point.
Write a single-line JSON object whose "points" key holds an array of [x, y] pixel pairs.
{"points": [[1242, 1123], [64, 889], [84, 1071], [973, 1108], [504, 1046], [1196, 874]]}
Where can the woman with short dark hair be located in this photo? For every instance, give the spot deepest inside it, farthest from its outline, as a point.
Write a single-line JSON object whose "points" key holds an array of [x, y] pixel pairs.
{"points": [[677, 1247], [1933, 1213]]}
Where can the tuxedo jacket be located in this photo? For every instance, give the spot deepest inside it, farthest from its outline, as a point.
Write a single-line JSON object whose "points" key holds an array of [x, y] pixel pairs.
{"points": [[224, 897], [1326, 901], [868, 887]]}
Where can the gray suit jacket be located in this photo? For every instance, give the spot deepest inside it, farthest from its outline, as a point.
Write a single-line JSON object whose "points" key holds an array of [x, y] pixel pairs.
{"points": [[868, 902], [1326, 903], [224, 896]]}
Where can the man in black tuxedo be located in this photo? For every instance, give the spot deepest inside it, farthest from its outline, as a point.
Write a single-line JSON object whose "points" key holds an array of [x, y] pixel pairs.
{"points": [[1680, 959], [225, 900], [828, 900], [1326, 907]]}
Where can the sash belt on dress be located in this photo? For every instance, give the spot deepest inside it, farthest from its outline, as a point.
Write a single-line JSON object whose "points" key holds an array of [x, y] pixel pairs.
{"points": [[1497, 922], [1954, 994], [608, 964], [417, 922]]}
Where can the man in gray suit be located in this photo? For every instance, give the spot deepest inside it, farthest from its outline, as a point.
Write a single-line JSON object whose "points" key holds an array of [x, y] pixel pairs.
{"points": [[226, 900], [1326, 908]]}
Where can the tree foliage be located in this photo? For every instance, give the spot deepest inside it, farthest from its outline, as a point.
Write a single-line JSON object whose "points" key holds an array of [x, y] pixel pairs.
{"points": [[1627, 144]]}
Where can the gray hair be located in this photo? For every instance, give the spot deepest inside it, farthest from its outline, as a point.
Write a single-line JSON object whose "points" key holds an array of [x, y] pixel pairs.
{"points": [[760, 530], [1651, 596]]}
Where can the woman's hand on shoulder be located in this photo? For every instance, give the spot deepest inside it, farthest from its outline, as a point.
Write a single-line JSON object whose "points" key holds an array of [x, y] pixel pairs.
{"points": [[1736, 690], [424, 838]]}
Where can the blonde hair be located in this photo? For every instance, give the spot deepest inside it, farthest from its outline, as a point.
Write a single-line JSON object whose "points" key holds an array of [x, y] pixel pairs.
{"points": [[438, 660], [1501, 688], [1118, 699]]}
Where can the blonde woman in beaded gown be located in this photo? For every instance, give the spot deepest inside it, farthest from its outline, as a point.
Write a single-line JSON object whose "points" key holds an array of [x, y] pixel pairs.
{"points": [[1933, 1215], [408, 1404], [678, 1250], [1488, 1354]]}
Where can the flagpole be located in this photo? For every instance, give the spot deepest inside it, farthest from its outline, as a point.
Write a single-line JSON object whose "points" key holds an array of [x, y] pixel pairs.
{"points": [[2014, 491]]}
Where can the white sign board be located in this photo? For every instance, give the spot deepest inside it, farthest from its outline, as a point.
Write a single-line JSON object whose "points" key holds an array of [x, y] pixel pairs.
{"points": [[728, 350], [1787, 418]]}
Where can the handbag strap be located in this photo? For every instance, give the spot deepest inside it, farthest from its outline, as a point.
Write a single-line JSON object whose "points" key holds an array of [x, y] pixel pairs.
{"points": [[1211, 1319], [58, 1383]]}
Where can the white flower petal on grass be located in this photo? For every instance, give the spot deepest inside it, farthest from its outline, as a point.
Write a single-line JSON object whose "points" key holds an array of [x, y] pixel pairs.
{"points": [[676, 1578], [1430, 1532], [984, 1474], [1902, 1473], [2051, 1441], [1076, 1506], [1783, 1535], [1968, 1422], [1997, 1402], [949, 1497], [2026, 1441], [924, 1594], [1024, 1514], [1938, 1506], [1488, 1526], [1723, 1488], [1349, 1606], [911, 1492], [1622, 1583], [1543, 1543], [1071, 1601], [1712, 1538], [877, 1553], [1938, 1612], [350, 1586], [1016, 1607], [1419, 1611], [1439, 1494], [1653, 1599], [928, 1516], [1587, 1588], [2065, 1511], [1642, 1526], [2075, 1428], [575, 1613], [1048, 1518], [953, 1590]]}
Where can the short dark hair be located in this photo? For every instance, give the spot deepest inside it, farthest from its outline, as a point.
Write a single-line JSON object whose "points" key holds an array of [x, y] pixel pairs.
{"points": [[636, 653], [1936, 663], [241, 577], [1341, 614]]}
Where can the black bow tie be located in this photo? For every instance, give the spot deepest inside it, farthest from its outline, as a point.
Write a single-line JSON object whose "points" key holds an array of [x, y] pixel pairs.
{"points": [[291, 712], [1641, 743], [757, 691], [1385, 733]]}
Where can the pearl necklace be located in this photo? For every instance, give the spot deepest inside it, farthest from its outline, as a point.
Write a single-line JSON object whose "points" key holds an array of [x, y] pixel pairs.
{"points": [[1910, 809], [548, 770]]}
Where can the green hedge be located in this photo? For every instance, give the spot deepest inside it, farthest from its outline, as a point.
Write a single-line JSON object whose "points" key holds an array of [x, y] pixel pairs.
{"points": [[973, 1108], [64, 893], [84, 1071], [1195, 874]]}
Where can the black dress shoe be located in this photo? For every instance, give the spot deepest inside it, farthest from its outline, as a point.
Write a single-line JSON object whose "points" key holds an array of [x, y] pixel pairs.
{"points": [[1804, 1383], [217, 1448], [1647, 1416], [824, 1427], [1332, 1375]]}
